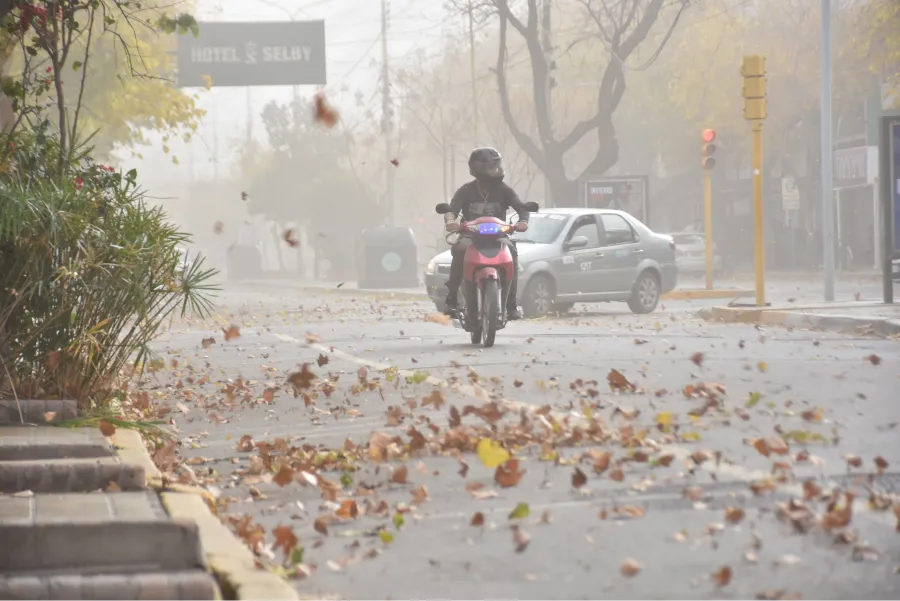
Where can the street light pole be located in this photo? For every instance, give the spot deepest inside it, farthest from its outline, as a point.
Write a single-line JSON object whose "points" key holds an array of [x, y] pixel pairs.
{"points": [[827, 158]]}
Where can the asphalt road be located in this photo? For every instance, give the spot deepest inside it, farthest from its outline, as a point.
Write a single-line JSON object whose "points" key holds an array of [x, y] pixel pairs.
{"points": [[827, 391]]}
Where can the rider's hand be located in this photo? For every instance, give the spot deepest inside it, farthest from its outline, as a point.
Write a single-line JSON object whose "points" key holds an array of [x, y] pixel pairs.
{"points": [[451, 226], [521, 226]]}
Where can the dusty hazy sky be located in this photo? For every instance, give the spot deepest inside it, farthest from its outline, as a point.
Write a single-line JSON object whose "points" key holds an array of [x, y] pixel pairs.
{"points": [[352, 30]]}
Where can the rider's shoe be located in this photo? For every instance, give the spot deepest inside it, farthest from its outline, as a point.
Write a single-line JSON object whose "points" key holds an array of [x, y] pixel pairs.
{"points": [[514, 314], [450, 305]]}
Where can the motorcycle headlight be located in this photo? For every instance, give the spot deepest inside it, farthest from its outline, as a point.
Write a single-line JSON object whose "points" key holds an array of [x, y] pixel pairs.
{"points": [[430, 268]]}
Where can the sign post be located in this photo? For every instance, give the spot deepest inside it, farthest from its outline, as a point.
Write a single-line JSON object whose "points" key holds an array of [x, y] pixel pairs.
{"points": [[227, 54], [889, 172]]}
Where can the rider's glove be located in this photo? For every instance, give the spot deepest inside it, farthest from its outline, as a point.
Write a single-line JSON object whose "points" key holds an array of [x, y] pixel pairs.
{"points": [[521, 226]]}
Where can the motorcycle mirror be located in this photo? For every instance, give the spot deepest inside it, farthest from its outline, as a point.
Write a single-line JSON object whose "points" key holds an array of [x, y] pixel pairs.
{"points": [[532, 207], [442, 208]]}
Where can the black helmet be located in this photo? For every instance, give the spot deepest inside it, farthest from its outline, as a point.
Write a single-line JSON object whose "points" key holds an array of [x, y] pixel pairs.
{"points": [[486, 164]]}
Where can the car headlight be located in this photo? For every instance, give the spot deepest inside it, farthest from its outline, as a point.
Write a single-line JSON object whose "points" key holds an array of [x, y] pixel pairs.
{"points": [[429, 269]]}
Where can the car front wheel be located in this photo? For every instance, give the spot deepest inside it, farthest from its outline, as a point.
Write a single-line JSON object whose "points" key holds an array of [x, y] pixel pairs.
{"points": [[645, 294]]}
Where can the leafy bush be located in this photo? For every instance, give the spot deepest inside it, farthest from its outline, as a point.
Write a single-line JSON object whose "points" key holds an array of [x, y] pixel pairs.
{"points": [[89, 272]]}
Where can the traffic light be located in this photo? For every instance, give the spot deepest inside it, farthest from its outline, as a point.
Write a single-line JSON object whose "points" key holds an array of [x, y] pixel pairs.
{"points": [[708, 148], [753, 70]]}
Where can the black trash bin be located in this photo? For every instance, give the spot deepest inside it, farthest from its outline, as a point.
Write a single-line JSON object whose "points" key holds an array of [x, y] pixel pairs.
{"points": [[387, 258], [243, 262]]}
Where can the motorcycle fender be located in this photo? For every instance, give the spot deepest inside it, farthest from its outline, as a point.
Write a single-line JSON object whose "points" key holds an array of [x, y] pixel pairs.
{"points": [[486, 273]]}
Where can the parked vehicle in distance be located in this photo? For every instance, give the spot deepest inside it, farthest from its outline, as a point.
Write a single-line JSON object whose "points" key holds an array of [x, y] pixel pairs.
{"points": [[582, 255], [690, 253]]}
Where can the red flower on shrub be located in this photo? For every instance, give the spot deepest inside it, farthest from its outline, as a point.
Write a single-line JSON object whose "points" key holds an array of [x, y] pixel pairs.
{"points": [[79, 183]]}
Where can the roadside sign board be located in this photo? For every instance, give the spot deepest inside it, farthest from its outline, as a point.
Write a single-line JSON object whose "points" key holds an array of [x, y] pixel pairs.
{"points": [[227, 54], [790, 195], [629, 193]]}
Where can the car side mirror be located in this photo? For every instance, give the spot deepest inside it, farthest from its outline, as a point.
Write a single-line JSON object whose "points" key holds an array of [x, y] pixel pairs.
{"points": [[577, 242], [531, 207], [442, 208]]}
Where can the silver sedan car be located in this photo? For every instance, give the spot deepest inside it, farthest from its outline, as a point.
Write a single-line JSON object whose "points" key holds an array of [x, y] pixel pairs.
{"points": [[585, 256]]}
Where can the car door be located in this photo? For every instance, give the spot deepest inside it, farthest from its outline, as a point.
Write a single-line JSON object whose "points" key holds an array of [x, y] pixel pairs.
{"points": [[578, 264], [623, 253]]}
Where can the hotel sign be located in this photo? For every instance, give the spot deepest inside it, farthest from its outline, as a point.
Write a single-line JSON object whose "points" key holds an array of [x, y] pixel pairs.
{"points": [[283, 53]]}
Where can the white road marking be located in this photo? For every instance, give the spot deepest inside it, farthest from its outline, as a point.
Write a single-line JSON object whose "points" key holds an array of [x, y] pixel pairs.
{"points": [[718, 469]]}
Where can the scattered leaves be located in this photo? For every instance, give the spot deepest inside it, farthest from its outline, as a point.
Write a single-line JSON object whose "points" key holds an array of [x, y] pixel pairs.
{"points": [[508, 474], [722, 576], [491, 453], [520, 511], [579, 478], [630, 568], [324, 112], [618, 382]]}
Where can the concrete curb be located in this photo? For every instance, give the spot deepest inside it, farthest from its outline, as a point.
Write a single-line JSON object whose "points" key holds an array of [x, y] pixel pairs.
{"points": [[130, 450], [797, 319], [227, 557], [702, 293]]}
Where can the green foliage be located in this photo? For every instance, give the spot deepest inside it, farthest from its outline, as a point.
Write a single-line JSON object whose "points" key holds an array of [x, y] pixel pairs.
{"points": [[305, 176], [113, 62], [89, 273]]}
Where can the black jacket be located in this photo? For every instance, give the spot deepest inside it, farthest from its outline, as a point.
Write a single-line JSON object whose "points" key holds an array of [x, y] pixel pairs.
{"points": [[472, 201]]}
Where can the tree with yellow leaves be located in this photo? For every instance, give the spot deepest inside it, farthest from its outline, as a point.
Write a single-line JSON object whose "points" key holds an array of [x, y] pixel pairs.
{"points": [[105, 64]]}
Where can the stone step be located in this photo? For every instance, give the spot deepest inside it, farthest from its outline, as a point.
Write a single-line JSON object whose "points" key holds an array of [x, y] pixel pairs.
{"points": [[87, 532], [186, 584], [22, 443], [14, 412], [69, 475]]}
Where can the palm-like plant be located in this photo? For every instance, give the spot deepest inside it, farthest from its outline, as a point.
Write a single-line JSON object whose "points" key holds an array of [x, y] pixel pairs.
{"points": [[89, 273]]}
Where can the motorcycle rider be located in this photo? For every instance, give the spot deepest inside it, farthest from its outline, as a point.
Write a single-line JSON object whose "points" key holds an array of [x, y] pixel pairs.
{"points": [[484, 196]]}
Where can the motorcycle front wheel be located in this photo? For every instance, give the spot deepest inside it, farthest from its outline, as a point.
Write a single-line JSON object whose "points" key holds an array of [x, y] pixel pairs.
{"points": [[490, 311]]}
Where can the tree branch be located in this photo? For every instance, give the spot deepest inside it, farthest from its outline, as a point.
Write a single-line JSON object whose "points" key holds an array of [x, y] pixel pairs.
{"points": [[523, 139]]}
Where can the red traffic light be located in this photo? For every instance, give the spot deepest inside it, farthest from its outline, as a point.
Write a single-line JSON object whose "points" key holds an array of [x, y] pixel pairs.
{"points": [[709, 135]]}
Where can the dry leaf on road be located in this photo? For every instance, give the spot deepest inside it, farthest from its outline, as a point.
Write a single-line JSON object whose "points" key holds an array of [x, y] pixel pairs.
{"points": [[630, 568]]}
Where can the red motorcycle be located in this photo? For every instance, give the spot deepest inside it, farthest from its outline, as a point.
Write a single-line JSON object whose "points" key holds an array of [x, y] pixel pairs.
{"points": [[487, 275]]}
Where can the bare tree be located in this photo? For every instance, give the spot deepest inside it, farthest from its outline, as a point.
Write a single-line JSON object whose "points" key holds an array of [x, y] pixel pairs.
{"points": [[621, 26]]}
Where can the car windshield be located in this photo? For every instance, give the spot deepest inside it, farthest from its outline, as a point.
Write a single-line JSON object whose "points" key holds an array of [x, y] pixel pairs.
{"points": [[543, 228]]}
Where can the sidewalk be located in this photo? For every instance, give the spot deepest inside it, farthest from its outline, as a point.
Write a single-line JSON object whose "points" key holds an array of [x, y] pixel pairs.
{"points": [[856, 317], [85, 516]]}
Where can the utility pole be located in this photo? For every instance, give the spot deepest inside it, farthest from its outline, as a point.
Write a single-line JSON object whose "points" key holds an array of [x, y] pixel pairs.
{"points": [[827, 155], [387, 110], [753, 70], [547, 43], [472, 75]]}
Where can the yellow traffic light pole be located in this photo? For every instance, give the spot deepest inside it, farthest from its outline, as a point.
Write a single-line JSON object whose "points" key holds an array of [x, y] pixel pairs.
{"points": [[707, 225], [707, 162], [753, 70], [759, 240]]}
